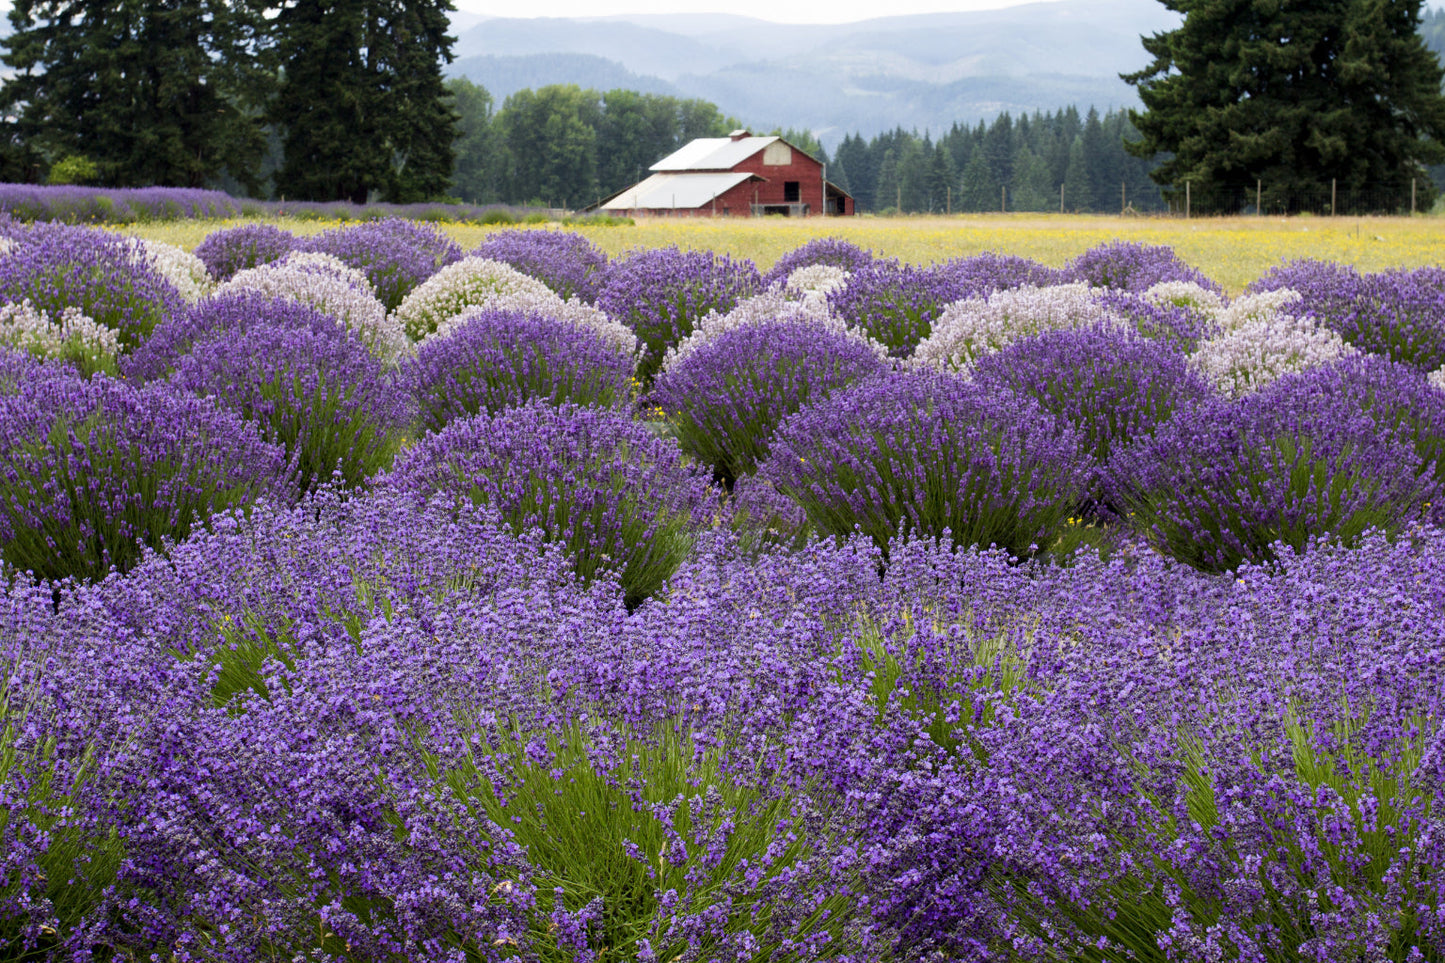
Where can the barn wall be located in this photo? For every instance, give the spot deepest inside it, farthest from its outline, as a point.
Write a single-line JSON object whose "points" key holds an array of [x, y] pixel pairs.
{"points": [[804, 169]]}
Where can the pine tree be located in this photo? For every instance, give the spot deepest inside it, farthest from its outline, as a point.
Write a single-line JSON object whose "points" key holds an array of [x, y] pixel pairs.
{"points": [[1078, 192], [161, 92], [886, 191], [361, 103], [978, 191], [1294, 94]]}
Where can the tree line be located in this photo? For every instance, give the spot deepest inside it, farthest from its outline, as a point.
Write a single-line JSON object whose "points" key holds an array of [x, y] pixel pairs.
{"points": [[1039, 162], [335, 100]]}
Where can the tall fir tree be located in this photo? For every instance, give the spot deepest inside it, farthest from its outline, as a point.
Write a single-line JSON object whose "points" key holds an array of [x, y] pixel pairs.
{"points": [[163, 92], [361, 103], [1294, 95]]}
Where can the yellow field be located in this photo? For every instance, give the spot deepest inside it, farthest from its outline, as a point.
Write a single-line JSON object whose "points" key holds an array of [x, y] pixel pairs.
{"points": [[1233, 251]]}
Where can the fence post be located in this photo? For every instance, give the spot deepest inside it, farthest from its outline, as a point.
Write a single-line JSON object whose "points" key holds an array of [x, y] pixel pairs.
{"points": [[1186, 200], [1123, 197], [949, 208], [1333, 183], [1412, 197], [1061, 198], [1258, 189]]}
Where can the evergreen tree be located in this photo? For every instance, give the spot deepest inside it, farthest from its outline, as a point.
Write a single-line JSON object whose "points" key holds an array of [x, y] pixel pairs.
{"points": [[1033, 189], [1294, 94], [886, 194], [159, 92], [978, 191], [942, 177], [1078, 193], [913, 164], [361, 102]]}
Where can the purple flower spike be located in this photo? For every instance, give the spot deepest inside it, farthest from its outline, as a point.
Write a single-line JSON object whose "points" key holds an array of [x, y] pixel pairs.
{"points": [[233, 249], [1129, 266], [620, 499], [931, 456], [496, 358], [568, 263], [830, 251], [662, 294], [96, 469], [56, 267], [395, 254]]}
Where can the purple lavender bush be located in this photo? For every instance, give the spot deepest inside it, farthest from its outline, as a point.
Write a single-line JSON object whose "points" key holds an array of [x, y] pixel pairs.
{"points": [[662, 294], [568, 263], [930, 456], [315, 391], [895, 304], [55, 267], [724, 400], [232, 249], [980, 275], [832, 251], [1181, 326], [621, 500], [1112, 386], [226, 315], [496, 358], [1329, 451], [1399, 314], [395, 254], [1130, 266], [96, 469]]}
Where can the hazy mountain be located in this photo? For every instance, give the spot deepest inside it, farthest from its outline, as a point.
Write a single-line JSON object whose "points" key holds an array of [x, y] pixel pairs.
{"points": [[926, 71]]}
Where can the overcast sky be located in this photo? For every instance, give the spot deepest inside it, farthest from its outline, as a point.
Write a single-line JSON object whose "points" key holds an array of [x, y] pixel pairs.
{"points": [[779, 11]]}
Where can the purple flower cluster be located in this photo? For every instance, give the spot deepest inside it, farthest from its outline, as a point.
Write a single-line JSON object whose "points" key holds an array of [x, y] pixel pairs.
{"points": [[896, 304], [1333, 451], [395, 254], [568, 263], [1181, 326], [1110, 385], [1130, 266], [496, 358], [95, 470], [56, 267], [980, 275], [832, 251], [313, 390], [725, 399], [663, 293], [931, 456], [620, 499], [112, 205], [1399, 314], [226, 315], [233, 249]]}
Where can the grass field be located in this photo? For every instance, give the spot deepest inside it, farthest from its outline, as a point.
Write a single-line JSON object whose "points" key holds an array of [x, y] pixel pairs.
{"points": [[1233, 251]]}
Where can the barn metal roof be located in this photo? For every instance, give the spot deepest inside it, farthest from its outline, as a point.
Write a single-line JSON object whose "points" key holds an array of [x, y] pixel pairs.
{"points": [[676, 191], [712, 154]]}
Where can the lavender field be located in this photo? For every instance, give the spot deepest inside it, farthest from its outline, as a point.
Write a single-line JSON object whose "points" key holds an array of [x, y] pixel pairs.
{"points": [[370, 599]]}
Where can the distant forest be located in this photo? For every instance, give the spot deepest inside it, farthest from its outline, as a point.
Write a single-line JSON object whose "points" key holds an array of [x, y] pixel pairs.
{"points": [[566, 146]]}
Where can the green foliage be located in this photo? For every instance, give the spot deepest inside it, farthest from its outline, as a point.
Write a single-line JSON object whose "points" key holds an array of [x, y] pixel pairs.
{"points": [[158, 93], [634, 830], [1295, 95], [73, 169]]}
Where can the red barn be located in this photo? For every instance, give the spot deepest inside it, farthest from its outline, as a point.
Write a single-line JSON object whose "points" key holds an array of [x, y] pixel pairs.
{"points": [[735, 176]]}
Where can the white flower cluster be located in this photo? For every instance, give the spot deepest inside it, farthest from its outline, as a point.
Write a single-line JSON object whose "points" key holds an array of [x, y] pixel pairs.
{"points": [[815, 281], [967, 330], [574, 311], [1252, 308], [472, 282], [771, 306], [1260, 342], [74, 336], [1437, 378], [6, 245], [325, 284], [1185, 294], [186, 272]]}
